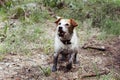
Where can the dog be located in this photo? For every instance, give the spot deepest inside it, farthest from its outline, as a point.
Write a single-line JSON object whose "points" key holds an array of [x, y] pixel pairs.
{"points": [[66, 42]]}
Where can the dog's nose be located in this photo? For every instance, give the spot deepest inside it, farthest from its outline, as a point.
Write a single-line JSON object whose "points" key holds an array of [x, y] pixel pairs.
{"points": [[60, 28]]}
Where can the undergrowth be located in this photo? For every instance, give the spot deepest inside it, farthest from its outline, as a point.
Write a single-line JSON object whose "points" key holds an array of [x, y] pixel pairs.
{"points": [[25, 35], [31, 32], [104, 14]]}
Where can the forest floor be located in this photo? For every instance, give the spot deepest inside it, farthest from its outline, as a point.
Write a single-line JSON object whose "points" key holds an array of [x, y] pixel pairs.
{"points": [[93, 64], [97, 59]]}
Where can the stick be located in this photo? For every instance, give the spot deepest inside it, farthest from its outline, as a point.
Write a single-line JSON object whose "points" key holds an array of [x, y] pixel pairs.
{"points": [[94, 74], [101, 48]]}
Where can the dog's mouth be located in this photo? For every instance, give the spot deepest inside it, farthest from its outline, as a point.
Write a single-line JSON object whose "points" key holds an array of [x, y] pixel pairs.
{"points": [[61, 33]]}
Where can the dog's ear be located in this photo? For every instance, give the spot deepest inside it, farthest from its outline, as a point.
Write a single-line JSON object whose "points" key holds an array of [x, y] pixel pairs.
{"points": [[73, 23], [58, 19]]}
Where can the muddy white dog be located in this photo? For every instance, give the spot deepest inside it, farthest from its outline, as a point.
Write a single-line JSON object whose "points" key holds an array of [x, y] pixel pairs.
{"points": [[66, 42]]}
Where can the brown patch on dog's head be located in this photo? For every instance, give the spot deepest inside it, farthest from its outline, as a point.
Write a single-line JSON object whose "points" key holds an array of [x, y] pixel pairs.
{"points": [[65, 27], [73, 23]]}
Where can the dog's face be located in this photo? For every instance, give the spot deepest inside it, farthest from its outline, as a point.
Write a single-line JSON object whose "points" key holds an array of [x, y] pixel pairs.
{"points": [[65, 27]]}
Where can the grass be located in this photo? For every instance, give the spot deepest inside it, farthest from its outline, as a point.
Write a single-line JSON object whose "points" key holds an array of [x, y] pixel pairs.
{"points": [[46, 71], [96, 71], [111, 27], [22, 39], [27, 35], [103, 14], [107, 77], [33, 30], [103, 36]]}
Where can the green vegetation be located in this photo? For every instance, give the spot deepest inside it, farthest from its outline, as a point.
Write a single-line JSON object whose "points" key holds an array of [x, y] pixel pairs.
{"points": [[24, 24], [27, 31], [104, 14], [46, 71]]}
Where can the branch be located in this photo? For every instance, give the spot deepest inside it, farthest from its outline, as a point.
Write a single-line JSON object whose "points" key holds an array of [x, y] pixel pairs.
{"points": [[95, 74], [101, 48]]}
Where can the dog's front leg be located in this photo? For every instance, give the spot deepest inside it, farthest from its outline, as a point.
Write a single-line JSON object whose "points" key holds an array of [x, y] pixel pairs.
{"points": [[69, 65], [55, 60], [75, 59]]}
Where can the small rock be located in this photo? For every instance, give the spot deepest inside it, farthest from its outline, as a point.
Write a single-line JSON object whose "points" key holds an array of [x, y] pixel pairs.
{"points": [[16, 60], [2, 24], [75, 76], [2, 63], [1, 68], [7, 64]]}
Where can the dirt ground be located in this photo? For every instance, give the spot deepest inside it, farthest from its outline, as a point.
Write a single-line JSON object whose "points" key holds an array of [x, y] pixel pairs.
{"points": [[91, 63]]}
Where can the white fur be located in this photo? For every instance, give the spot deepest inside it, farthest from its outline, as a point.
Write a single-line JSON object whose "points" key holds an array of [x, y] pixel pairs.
{"points": [[67, 43], [58, 45]]}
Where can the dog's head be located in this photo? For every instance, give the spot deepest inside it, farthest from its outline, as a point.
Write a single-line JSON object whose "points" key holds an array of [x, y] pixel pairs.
{"points": [[65, 27]]}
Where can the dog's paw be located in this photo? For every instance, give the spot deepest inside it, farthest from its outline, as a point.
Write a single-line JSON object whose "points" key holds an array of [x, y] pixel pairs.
{"points": [[54, 69], [69, 66]]}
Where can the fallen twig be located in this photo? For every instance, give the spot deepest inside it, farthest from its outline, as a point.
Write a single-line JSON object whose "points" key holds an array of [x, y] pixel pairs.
{"points": [[95, 74], [94, 45], [101, 48]]}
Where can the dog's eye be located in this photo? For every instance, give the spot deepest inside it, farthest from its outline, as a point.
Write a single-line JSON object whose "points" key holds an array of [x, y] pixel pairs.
{"points": [[59, 23], [67, 24]]}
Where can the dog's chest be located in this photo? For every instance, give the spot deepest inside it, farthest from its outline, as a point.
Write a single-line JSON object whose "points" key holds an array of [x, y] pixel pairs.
{"points": [[66, 50]]}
